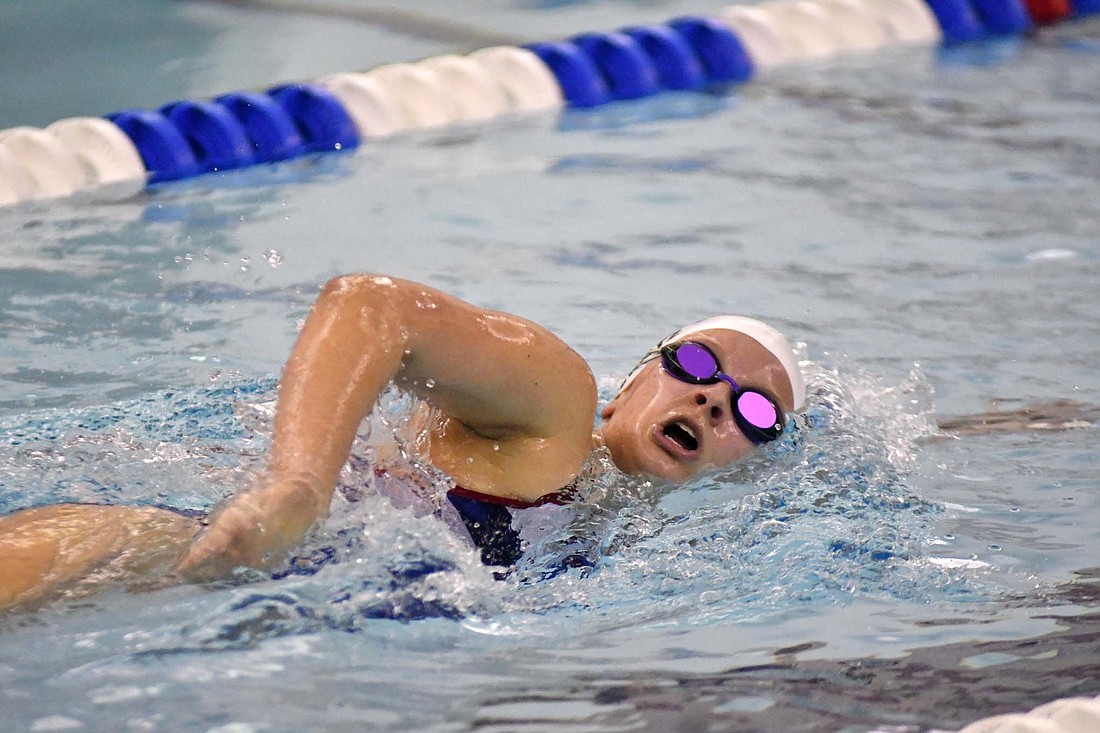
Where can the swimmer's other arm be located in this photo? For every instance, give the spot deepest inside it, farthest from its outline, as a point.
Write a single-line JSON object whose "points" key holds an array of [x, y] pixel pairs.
{"points": [[505, 382]]}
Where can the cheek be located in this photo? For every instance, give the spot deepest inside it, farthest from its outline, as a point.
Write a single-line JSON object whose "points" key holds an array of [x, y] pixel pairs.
{"points": [[620, 438], [732, 445]]}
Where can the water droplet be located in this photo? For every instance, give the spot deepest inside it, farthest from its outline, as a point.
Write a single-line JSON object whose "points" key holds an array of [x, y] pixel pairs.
{"points": [[429, 383], [470, 459], [274, 257], [496, 446]]}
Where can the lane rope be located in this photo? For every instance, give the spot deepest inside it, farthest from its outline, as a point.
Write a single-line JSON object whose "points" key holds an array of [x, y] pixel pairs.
{"points": [[339, 112]]}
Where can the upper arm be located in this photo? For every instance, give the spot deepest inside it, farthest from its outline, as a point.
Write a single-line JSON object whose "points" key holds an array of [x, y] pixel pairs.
{"points": [[498, 374], [521, 402]]}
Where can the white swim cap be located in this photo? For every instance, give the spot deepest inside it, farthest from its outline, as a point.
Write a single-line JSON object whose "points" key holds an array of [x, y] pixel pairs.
{"points": [[760, 332]]}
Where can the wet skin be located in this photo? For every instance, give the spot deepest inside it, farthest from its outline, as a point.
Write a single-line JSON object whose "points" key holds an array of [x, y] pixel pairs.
{"points": [[661, 427], [512, 417], [71, 550]]}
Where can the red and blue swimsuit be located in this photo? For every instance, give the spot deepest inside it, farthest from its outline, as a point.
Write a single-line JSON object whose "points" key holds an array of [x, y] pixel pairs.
{"points": [[488, 520]]}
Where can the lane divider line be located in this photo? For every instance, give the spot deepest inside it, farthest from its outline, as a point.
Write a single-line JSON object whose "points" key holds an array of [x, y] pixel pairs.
{"points": [[338, 112]]}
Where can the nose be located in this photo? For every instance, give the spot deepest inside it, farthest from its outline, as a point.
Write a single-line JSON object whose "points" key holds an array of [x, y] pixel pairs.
{"points": [[716, 396]]}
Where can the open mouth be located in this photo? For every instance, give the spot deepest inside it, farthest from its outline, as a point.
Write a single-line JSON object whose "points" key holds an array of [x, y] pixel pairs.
{"points": [[682, 435]]}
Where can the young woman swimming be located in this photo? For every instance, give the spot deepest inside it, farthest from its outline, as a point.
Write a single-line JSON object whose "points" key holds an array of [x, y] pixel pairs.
{"points": [[510, 420]]}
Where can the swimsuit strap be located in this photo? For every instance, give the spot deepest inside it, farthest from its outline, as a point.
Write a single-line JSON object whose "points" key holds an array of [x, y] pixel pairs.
{"points": [[563, 495]]}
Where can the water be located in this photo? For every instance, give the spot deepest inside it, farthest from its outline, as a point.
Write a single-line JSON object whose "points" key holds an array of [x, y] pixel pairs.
{"points": [[925, 222]]}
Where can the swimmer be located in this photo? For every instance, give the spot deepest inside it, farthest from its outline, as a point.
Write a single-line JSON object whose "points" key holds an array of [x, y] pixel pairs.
{"points": [[511, 418]]}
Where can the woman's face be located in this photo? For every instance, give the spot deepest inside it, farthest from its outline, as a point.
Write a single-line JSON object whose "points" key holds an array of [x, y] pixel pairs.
{"points": [[659, 426]]}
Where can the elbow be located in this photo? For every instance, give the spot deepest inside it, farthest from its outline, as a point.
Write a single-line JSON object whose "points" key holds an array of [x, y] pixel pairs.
{"points": [[370, 300], [363, 312], [357, 285]]}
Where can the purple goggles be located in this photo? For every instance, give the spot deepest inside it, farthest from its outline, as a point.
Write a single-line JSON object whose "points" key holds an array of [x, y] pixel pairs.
{"points": [[756, 413]]}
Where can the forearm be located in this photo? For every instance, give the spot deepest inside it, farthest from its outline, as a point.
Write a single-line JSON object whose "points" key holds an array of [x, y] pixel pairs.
{"points": [[349, 349]]}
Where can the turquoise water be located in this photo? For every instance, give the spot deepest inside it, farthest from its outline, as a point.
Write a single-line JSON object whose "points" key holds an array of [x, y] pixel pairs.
{"points": [[925, 222]]}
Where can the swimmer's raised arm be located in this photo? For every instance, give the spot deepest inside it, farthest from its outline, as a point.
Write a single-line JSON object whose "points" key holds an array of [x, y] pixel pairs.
{"points": [[515, 404]]}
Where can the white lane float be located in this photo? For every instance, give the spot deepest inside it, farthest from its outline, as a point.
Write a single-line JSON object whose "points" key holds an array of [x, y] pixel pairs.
{"points": [[526, 81], [15, 186], [756, 29], [52, 169], [370, 104], [419, 93], [806, 28], [476, 91], [908, 21], [104, 151], [855, 25]]}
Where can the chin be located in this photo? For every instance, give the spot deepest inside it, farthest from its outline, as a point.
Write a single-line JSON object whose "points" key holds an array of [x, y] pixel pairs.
{"points": [[664, 469], [646, 459]]}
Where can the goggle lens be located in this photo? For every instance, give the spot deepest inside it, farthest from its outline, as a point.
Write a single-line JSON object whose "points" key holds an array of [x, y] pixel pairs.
{"points": [[757, 410], [696, 361]]}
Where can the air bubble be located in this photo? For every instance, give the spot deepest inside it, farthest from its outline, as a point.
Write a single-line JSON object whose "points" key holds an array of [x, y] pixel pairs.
{"points": [[429, 383]]}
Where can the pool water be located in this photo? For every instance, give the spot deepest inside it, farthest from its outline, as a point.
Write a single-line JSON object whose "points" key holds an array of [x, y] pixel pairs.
{"points": [[923, 220]]}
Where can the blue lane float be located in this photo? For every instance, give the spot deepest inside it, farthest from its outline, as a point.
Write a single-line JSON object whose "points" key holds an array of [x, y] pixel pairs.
{"points": [[164, 150], [1004, 17], [270, 130], [676, 64], [627, 69], [188, 138], [723, 57], [578, 76], [320, 118], [957, 18], [216, 138]]}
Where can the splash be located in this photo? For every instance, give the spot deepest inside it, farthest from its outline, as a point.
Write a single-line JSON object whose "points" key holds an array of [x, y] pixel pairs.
{"points": [[821, 517], [827, 514]]}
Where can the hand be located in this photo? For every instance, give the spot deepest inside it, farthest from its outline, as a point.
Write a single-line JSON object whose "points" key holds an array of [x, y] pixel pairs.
{"points": [[254, 529]]}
